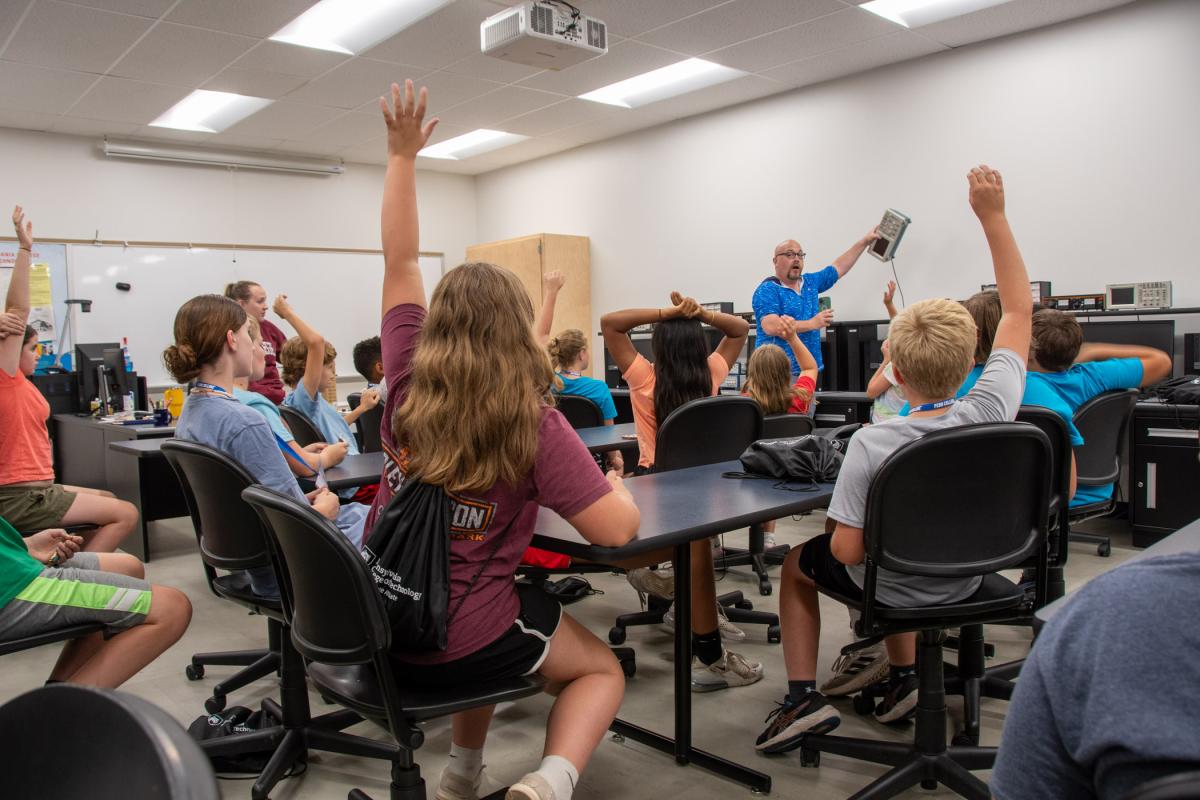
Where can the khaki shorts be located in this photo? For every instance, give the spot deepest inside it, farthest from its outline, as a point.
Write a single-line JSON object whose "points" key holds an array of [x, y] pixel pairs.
{"points": [[33, 507]]}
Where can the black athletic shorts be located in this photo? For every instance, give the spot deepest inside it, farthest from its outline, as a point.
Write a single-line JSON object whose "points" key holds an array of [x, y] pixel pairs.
{"points": [[817, 562], [519, 651]]}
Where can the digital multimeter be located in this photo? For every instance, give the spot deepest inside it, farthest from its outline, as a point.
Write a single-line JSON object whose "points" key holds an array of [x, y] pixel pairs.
{"points": [[891, 231]]}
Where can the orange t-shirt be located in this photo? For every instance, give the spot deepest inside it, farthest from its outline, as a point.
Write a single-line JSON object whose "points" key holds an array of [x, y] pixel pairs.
{"points": [[25, 453], [640, 377]]}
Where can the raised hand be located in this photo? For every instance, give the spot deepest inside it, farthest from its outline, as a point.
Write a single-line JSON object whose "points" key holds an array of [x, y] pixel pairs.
{"points": [[11, 325], [553, 281], [23, 227], [788, 327], [685, 307], [986, 191], [281, 306], [823, 319], [889, 293], [407, 130], [369, 398], [872, 235]]}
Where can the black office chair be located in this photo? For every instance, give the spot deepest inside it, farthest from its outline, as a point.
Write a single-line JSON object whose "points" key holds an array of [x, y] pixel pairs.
{"points": [[580, 412], [705, 431], [338, 622], [1181, 786], [370, 440], [785, 426], [231, 537], [302, 427], [967, 523], [1103, 422], [48, 637], [75, 741]]}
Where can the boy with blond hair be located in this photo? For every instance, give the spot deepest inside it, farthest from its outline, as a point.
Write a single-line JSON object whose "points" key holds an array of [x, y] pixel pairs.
{"points": [[932, 346]]}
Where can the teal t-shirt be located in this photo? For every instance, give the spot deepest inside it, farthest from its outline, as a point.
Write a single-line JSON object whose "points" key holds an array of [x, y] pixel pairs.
{"points": [[595, 390], [269, 411], [17, 567]]}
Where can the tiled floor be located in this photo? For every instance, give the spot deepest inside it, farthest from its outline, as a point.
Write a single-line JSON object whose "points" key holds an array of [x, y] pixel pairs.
{"points": [[725, 722]]}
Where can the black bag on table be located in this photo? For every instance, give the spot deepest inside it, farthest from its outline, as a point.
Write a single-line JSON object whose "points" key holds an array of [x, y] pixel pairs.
{"points": [[809, 458], [1182, 391]]}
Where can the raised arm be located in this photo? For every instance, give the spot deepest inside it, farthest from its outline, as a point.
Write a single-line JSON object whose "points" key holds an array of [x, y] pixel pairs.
{"points": [[406, 135], [735, 329], [1156, 365], [367, 399], [314, 344], [848, 259], [1012, 281], [615, 327], [888, 294], [16, 302], [879, 382], [552, 282], [808, 364]]}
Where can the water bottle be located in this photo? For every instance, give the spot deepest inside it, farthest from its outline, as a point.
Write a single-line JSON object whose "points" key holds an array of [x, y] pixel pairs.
{"points": [[125, 353]]}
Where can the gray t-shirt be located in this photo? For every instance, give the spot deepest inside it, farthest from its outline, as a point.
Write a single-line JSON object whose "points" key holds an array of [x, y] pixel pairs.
{"points": [[1109, 697], [994, 398]]}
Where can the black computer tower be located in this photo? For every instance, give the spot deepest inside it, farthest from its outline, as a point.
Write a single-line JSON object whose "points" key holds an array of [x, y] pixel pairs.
{"points": [[1191, 354], [61, 391]]}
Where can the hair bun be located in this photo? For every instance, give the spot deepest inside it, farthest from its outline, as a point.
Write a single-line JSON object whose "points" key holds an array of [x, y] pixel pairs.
{"points": [[181, 361]]}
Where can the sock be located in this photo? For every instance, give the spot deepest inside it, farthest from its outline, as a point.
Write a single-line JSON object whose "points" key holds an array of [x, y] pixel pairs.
{"points": [[798, 689], [465, 762], [560, 774], [897, 673], [707, 647]]}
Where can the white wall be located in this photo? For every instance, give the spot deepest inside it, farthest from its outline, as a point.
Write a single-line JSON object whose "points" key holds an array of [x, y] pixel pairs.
{"points": [[70, 190], [1093, 122]]}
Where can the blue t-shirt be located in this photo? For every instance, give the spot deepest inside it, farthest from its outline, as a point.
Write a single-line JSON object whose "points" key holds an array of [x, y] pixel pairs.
{"points": [[772, 297], [1110, 694], [269, 411], [324, 416], [594, 390]]}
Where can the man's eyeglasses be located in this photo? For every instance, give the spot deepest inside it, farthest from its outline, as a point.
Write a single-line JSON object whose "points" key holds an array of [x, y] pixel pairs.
{"points": [[790, 254]]}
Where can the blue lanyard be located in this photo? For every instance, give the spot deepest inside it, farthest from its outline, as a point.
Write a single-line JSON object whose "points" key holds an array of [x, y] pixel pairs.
{"points": [[934, 406], [210, 387]]}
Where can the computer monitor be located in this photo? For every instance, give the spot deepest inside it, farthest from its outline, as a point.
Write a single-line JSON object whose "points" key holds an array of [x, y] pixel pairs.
{"points": [[89, 356], [1159, 334]]}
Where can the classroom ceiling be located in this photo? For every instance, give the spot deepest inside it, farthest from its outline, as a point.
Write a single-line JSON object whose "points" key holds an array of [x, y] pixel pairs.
{"points": [[109, 67]]}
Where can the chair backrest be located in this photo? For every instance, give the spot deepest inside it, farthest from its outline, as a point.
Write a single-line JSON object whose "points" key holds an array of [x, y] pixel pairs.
{"points": [[354, 398], [1102, 421], [228, 531], [369, 423], [785, 426], [581, 412], [302, 428], [329, 597], [1055, 428], [1180, 786], [120, 746], [707, 431], [960, 502]]}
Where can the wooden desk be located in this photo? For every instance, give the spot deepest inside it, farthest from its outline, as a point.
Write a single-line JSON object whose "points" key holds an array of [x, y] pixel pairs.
{"points": [[81, 447], [677, 508]]}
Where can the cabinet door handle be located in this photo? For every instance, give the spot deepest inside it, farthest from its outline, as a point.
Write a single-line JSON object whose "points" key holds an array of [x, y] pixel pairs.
{"points": [[1151, 485], [1172, 433]]}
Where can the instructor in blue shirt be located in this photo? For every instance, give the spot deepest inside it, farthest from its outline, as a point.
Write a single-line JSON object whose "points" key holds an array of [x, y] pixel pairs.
{"points": [[791, 292]]}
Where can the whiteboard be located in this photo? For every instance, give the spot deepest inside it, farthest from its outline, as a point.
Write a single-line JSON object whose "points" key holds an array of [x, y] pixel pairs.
{"points": [[337, 293]]}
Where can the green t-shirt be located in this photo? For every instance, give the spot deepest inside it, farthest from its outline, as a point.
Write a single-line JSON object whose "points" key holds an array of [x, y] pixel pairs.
{"points": [[17, 567]]}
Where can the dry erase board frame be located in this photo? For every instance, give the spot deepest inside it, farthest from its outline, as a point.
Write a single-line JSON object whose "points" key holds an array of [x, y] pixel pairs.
{"points": [[336, 291]]}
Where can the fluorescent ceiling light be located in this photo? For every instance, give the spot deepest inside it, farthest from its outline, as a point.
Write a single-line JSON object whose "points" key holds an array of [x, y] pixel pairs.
{"points": [[217, 158], [209, 112], [650, 87], [352, 26], [915, 13], [471, 144]]}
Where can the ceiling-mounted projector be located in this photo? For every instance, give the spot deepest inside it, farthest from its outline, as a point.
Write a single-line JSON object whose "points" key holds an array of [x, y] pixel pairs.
{"points": [[549, 35]]}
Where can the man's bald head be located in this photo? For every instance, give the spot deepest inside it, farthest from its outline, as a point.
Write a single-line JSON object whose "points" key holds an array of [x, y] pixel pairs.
{"points": [[789, 261]]}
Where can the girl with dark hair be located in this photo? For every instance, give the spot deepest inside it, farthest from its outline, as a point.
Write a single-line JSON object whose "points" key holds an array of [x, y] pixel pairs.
{"points": [[253, 299]]}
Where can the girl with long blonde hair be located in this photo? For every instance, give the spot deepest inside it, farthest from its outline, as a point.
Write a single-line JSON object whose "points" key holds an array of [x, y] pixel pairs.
{"points": [[468, 402], [769, 374]]}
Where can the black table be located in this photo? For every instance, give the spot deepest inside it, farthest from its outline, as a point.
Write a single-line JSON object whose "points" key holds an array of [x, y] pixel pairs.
{"points": [[835, 409], [678, 508], [81, 447], [603, 438], [355, 471]]}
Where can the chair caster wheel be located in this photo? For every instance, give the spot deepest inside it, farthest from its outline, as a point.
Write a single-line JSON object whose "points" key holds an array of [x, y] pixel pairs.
{"points": [[616, 636], [1104, 550], [810, 758], [963, 739], [863, 705], [744, 605], [929, 783], [774, 636], [194, 672], [629, 667], [215, 704], [765, 588]]}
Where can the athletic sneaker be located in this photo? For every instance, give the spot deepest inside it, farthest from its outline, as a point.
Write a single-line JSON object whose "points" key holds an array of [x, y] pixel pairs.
{"points": [[769, 541], [456, 787], [855, 671], [531, 787], [791, 721], [900, 702], [728, 671], [729, 631], [659, 583]]}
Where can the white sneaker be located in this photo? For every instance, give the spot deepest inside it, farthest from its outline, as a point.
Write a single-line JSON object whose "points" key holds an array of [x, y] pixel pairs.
{"points": [[659, 583], [531, 787], [729, 631], [456, 787], [730, 670], [855, 671], [769, 540]]}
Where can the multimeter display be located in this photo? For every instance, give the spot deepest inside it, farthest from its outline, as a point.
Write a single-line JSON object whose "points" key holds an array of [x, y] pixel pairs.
{"points": [[879, 247], [891, 230]]}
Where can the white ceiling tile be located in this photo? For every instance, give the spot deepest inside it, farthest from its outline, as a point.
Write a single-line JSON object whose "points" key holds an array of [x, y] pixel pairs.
{"points": [[181, 55], [10, 14], [77, 126], [171, 135], [353, 83], [735, 22], [633, 17], [528, 150], [346, 131], [64, 36], [52, 91], [610, 127], [860, 57], [493, 69], [624, 60], [1011, 17], [560, 115], [440, 39], [447, 90], [27, 120], [309, 149], [446, 131], [122, 100], [493, 108], [284, 120], [722, 95], [288, 59], [254, 83], [373, 151], [138, 8], [802, 41], [259, 18]]}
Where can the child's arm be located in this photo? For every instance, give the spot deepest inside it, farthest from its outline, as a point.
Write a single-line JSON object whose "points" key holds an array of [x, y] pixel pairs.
{"points": [[735, 329], [1156, 365], [888, 294], [401, 233], [847, 545], [791, 334], [314, 343], [615, 327], [366, 401], [16, 302], [553, 282], [1012, 281], [879, 382]]}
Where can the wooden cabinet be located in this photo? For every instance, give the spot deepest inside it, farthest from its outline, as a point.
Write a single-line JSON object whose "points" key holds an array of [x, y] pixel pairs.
{"points": [[530, 257]]}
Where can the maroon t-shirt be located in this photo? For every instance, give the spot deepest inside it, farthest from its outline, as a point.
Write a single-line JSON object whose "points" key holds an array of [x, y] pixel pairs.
{"points": [[270, 387], [564, 478]]}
